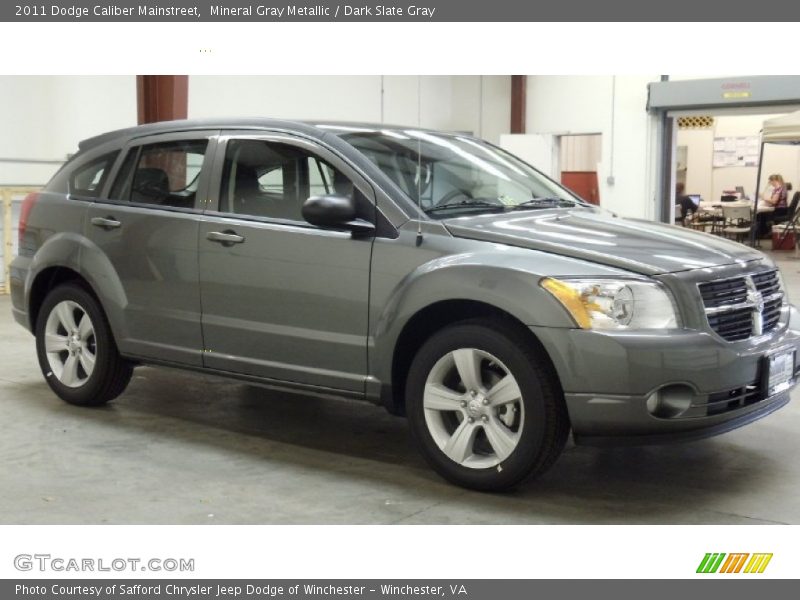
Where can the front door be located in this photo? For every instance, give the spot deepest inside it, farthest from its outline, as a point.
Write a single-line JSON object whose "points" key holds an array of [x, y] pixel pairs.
{"points": [[282, 299]]}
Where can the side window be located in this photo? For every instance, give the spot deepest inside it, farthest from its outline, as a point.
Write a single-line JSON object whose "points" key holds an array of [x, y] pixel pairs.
{"points": [[320, 177], [272, 181], [88, 180], [266, 179], [166, 174]]}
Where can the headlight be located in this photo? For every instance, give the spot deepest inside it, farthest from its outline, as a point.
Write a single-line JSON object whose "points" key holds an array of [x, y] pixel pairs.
{"points": [[615, 304]]}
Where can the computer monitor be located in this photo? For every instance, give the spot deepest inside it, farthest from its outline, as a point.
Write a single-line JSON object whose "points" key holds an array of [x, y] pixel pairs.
{"points": [[695, 198]]}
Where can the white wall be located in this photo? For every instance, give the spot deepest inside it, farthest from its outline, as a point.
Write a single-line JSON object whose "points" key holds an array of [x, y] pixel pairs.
{"points": [[480, 105], [704, 179], [535, 149], [44, 117], [580, 152], [614, 107], [699, 154]]}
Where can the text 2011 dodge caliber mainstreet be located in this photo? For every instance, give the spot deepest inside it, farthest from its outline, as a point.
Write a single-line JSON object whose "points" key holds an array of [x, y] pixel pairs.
{"points": [[433, 273]]}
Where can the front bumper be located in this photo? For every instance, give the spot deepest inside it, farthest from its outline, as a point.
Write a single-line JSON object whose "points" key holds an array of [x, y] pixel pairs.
{"points": [[608, 378]]}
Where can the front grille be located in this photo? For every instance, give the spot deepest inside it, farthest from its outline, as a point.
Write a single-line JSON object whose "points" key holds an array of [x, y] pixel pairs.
{"points": [[718, 403], [722, 402], [766, 282], [742, 307], [725, 291], [734, 325]]}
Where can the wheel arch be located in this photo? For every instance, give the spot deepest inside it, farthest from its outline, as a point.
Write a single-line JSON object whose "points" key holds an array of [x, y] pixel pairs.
{"points": [[48, 279], [72, 257], [443, 291], [433, 318]]}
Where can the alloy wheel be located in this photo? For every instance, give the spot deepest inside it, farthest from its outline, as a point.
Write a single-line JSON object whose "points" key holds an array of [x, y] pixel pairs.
{"points": [[70, 343], [473, 408]]}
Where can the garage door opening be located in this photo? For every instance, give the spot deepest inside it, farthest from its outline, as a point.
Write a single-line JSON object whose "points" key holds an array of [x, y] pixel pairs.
{"points": [[737, 107], [718, 156]]}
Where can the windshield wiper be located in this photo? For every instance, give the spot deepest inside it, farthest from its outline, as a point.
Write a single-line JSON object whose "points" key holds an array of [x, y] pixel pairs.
{"points": [[471, 203], [534, 203]]}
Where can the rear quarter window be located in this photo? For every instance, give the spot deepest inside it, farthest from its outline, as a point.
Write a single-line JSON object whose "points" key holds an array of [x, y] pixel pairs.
{"points": [[87, 180]]}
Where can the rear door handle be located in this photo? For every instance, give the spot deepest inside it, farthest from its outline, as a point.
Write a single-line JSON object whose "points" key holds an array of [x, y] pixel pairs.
{"points": [[226, 238], [106, 222]]}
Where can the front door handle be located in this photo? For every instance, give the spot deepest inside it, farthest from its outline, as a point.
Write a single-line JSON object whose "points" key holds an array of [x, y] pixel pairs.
{"points": [[226, 238], [106, 222]]}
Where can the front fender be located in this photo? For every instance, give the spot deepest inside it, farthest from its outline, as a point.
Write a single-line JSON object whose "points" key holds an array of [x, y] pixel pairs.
{"points": [[472, 277], [428, 266]]}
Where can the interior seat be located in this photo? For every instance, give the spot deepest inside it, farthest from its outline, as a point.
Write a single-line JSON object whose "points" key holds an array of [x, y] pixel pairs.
{"points": [[247, 196], [150, 186]]}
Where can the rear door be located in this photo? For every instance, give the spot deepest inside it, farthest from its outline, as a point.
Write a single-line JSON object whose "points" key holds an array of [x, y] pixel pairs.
{"points": [[283, 299], [147, 228]]}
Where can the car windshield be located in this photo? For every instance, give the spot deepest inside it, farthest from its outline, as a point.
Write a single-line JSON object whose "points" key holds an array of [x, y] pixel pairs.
{"points": [[452, 175]]}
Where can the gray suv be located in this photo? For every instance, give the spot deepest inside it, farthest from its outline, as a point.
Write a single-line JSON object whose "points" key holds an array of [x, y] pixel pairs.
{"points": [[432, 273]]}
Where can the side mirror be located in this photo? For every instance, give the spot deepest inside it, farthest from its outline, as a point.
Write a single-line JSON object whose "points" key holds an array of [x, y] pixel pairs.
{"points": [[334, 212]]}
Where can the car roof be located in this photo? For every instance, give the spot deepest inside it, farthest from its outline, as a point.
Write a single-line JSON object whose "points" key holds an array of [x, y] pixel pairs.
{"points": [[308, 127]]}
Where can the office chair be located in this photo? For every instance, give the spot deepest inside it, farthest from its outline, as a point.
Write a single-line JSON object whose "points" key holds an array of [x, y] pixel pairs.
{"points": [[792, 216], [678, 215], [738, 222]]}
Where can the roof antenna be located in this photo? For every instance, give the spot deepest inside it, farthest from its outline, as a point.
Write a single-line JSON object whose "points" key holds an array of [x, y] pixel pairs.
{"points": [[419, 160]]}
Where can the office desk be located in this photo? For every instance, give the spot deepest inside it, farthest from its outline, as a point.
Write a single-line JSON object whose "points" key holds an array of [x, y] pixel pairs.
{"points": [[715, 208], [716, 222], [712, 213]]}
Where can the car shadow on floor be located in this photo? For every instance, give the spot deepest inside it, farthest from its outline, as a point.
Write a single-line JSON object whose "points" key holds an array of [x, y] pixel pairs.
{"points": [[608, 485]]}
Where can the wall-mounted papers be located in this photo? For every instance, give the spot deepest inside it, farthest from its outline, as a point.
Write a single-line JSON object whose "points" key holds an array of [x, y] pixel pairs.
{"points": [[735, 151]]}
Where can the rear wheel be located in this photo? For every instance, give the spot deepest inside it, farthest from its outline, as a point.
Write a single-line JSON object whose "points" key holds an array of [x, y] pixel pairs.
{"points": [[76, 351], [484, 405]]}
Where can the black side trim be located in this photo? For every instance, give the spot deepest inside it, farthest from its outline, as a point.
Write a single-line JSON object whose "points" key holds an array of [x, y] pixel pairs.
{"points": [[277, 384]]}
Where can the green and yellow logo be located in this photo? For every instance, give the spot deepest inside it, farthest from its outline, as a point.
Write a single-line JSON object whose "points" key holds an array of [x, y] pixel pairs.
{"points": [[719, 562]]}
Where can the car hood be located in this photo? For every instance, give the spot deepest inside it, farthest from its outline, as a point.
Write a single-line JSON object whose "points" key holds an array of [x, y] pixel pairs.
{"points": [[599, 236]]}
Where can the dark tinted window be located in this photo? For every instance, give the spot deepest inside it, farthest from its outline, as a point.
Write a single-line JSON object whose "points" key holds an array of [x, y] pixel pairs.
{"points": [[165, 174], [267, 179], [88, 180]]}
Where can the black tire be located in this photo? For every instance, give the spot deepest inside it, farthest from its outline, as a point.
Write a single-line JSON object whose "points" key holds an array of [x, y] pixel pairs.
{"points": [[111, 372], [545, 425]]}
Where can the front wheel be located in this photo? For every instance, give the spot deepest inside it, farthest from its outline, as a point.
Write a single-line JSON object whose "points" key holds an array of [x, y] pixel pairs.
{"points": [[485, 406], [76, 350]]}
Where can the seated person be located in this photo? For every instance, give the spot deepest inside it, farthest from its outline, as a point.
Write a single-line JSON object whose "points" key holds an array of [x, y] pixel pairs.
{"points": [[774, 195], [683, 200]]}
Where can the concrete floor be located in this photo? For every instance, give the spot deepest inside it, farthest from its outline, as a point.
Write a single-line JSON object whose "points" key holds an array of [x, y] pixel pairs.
{"points": [[181, 448]]}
